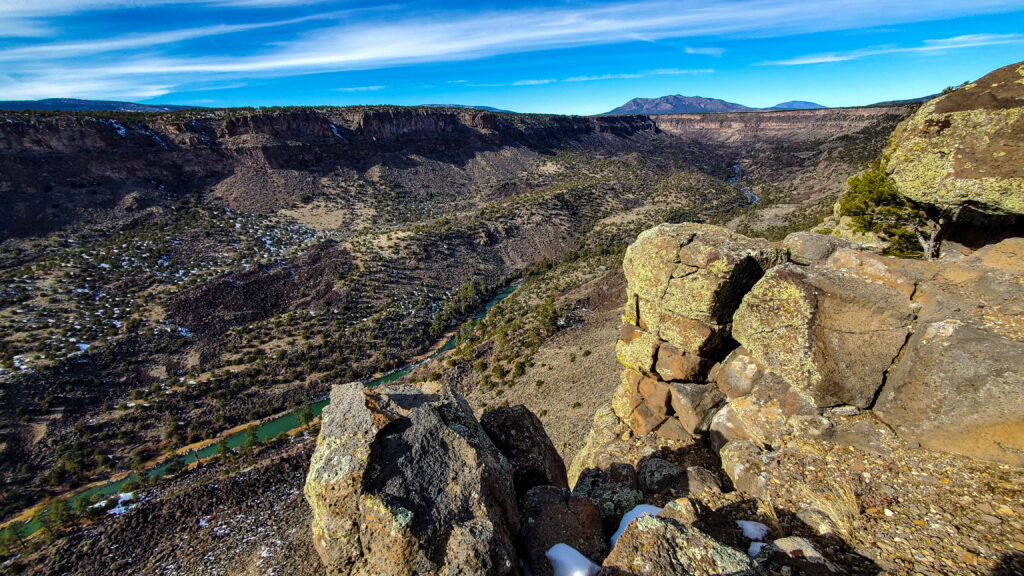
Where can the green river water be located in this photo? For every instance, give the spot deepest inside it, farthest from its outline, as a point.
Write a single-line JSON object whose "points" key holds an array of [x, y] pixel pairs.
{"points": [[264, 431]]}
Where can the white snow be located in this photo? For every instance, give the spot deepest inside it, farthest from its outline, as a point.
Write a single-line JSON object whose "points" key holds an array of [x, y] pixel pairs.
{"points": [[633, 515], [755, 548], [83, 347], [752, 530], [567, 561], [121, 508]]}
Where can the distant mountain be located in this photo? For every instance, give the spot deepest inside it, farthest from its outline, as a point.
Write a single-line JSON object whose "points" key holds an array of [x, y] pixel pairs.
{"points": [[796, 105], [487, 108], [76, 105], [677, 105]]}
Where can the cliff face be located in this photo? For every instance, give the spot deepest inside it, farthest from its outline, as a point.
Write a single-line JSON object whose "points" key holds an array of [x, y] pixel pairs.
{"points": [[781, 126], [60, 170], [64, 169]]}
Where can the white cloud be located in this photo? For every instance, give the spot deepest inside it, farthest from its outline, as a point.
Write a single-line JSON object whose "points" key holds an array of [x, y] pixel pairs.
{"points": [[680, 71], [361, 89], [954, 43], [136, 41], [534, 82], [388, 38], [603, 77], [705, 51]]}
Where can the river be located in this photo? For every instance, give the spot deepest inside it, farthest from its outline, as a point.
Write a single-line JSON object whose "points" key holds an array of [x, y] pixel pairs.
{"points": [[739, 174], [265, 430]]}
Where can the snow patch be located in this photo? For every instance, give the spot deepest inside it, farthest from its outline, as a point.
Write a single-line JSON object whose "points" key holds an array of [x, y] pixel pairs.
{"points": [[567, 561], [641, 510], [755, 548], [752, 530], [122, 507]]}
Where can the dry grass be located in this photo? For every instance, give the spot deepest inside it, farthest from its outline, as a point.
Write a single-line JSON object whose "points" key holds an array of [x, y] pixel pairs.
{"points": [[766, 508], [836, 498]]}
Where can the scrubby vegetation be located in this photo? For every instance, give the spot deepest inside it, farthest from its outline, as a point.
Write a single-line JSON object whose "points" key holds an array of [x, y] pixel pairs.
{"points": [[874, 205]]}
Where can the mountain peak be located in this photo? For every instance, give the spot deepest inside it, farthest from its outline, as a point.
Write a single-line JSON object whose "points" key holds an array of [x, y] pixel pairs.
{"points": [[677, 104], [797, 105]]}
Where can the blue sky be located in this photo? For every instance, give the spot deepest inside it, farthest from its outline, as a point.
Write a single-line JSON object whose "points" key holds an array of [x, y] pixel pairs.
{"points": [[570, 57]]}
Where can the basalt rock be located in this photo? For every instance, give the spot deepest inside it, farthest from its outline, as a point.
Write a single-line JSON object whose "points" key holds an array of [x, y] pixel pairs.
{"points": [[520, 436], [830, 335], [406, 482], [551, 515], [684, 284], [614, 489], [662, 546], [957, 386], [961, 154]]}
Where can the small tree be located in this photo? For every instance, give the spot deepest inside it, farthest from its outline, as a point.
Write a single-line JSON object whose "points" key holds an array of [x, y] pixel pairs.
{"points": [[875, 205], [306, 415], [251, 440], [223, 452], [10, 538]]}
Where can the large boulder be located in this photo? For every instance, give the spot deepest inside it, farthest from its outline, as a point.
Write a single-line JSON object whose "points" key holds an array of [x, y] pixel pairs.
{"points": [[957, 386], [663, 546], [684, 283], [615, 490], [406, 482], [961, 153], [830, 334], [809, 248], [549, 516], [520, 436]]}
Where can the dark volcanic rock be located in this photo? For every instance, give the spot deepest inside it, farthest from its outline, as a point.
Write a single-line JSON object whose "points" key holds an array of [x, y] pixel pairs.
{"points": [[405, 482], [614, 489], [520, 436], [550, 515]]}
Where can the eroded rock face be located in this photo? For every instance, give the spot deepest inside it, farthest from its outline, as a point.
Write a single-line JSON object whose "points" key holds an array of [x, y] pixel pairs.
{"points": [[684, 284], [830, 335], [961, 153], [406, 482], [958, 384]]}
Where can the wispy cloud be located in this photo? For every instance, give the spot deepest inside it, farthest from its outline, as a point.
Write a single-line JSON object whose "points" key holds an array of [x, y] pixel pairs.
{"points": [[603, 77], [135, 41], [146, 63], [705, 51], [954, 43], [361, 89], [680, 71], [534, 82]]}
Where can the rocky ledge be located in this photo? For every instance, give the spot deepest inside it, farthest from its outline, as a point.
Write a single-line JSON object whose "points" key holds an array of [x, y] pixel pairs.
{"points": [[799, 407], [756, 342]]}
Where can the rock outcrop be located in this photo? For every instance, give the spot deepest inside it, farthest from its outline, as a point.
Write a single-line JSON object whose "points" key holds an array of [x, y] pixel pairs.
{"points": [[684, 284], [659, 546], [931, 346], [406, 482], [520, 436], [961, 154]]}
